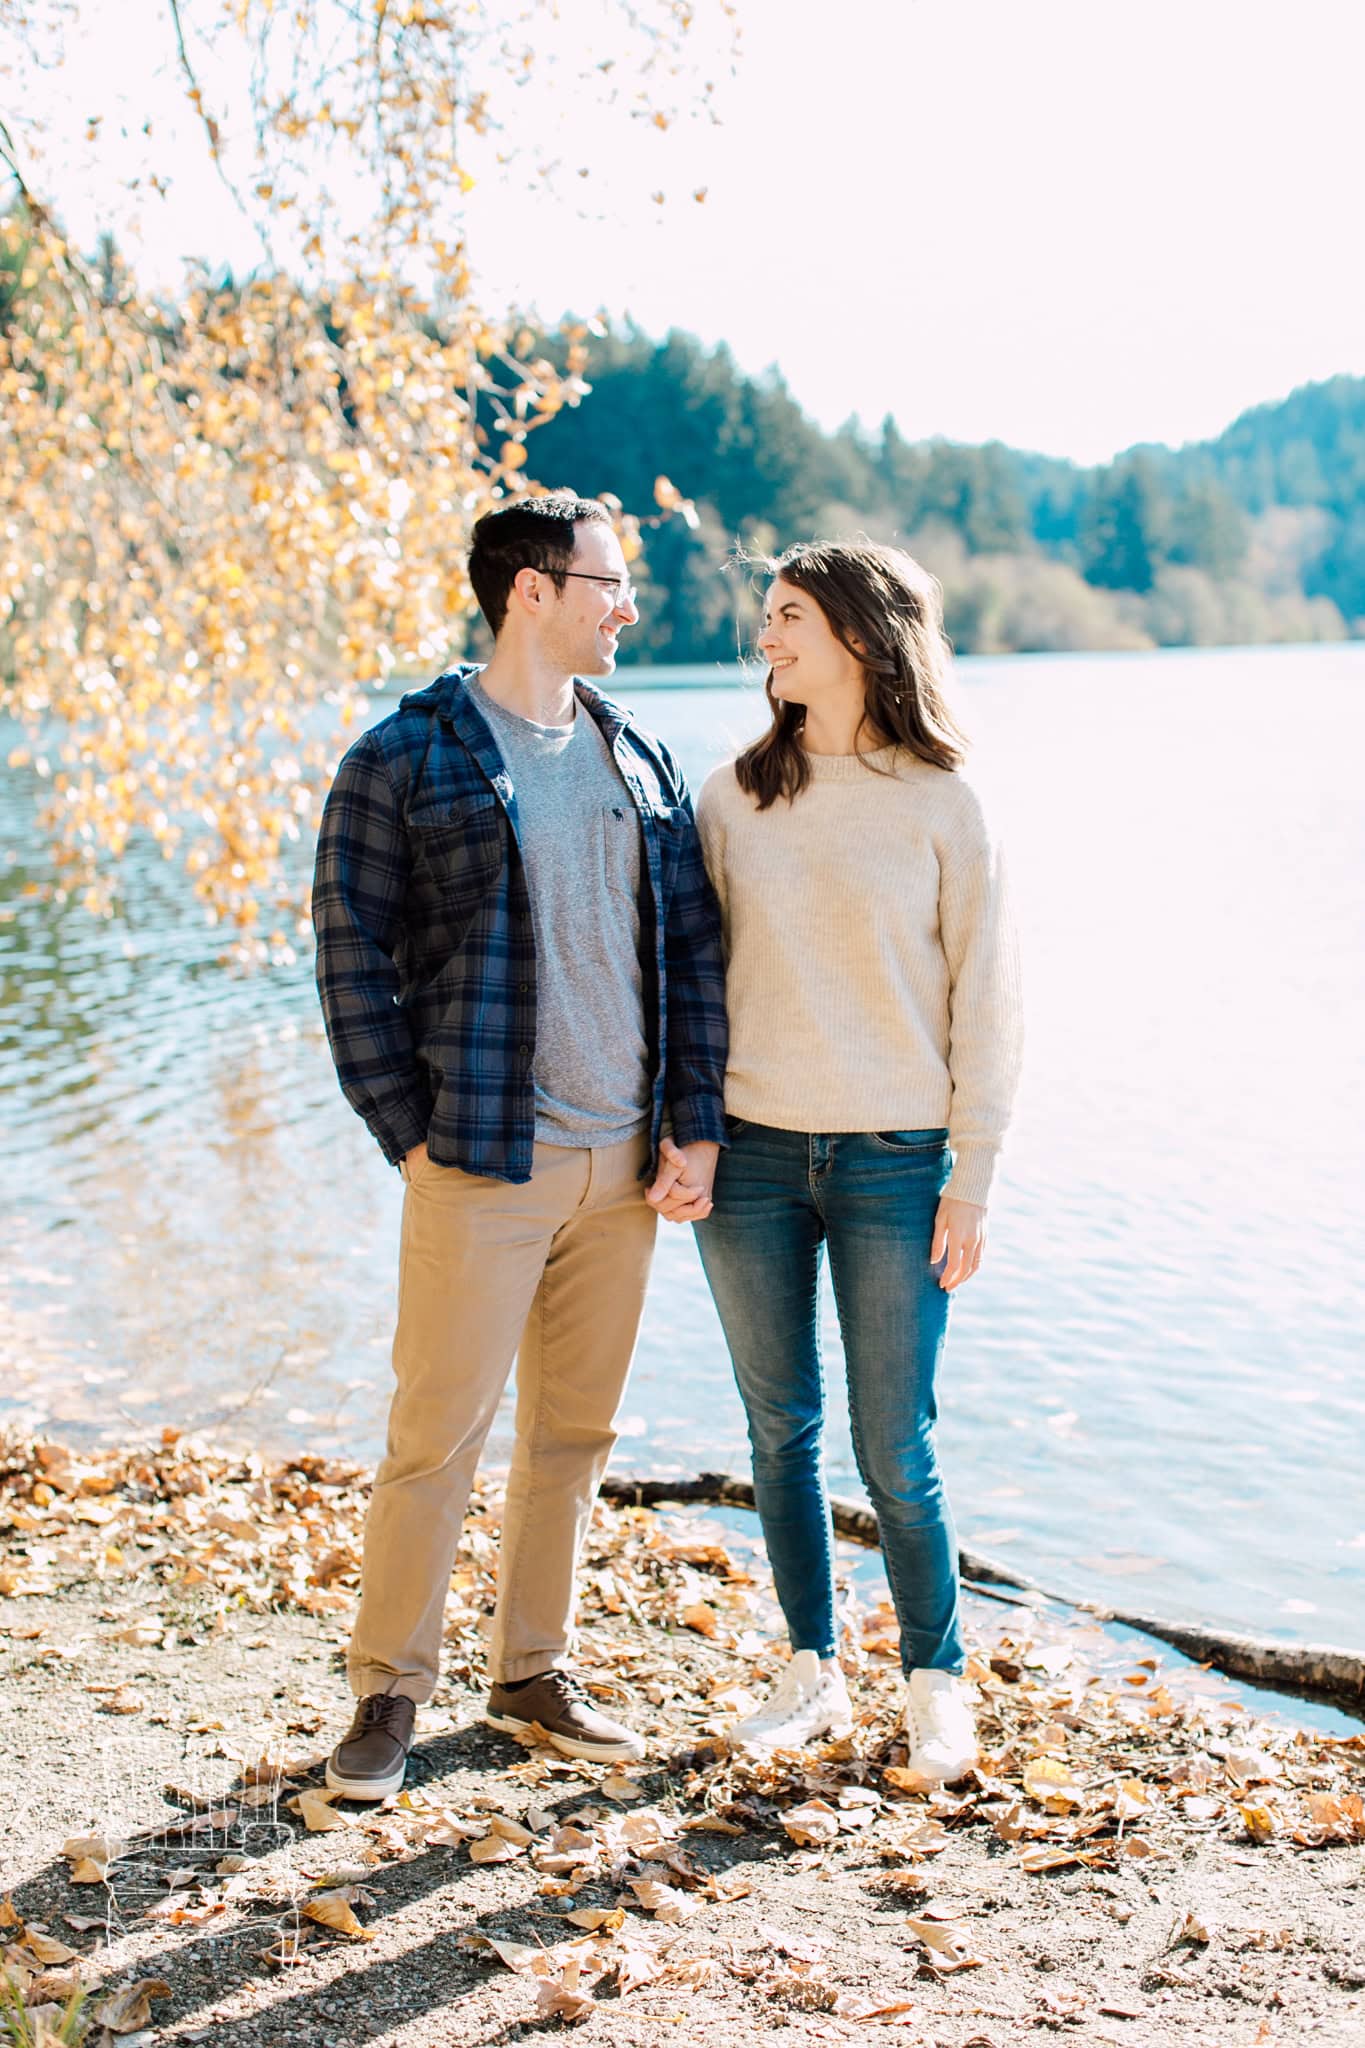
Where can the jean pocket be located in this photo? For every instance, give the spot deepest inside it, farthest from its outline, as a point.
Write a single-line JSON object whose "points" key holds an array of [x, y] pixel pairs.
{"points": [[735, 1126], [910, 1141]]}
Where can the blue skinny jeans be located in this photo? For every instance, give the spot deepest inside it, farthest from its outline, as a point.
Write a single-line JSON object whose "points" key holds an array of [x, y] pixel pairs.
{"points": [[871, 1198]]}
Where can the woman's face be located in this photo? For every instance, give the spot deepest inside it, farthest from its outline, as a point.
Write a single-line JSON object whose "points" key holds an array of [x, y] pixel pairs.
{"points": [[810, 665]]}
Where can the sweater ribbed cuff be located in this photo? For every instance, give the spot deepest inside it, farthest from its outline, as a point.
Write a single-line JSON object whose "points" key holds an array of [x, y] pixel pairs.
{"points": [[973, 1169]]}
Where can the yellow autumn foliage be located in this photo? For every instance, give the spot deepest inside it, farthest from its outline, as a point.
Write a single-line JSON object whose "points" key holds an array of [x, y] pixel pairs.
{"points": [[227, 508]]}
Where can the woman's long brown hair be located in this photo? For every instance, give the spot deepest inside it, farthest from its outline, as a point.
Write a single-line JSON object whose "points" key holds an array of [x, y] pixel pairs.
{"points": [[888, 612]]}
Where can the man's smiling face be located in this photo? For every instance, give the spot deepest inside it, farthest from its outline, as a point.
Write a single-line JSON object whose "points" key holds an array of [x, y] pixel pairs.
{"points": [[584, 620]]}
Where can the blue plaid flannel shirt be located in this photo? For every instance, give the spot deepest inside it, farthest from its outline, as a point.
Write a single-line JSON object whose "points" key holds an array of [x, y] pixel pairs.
{"points": [[426, 962]]}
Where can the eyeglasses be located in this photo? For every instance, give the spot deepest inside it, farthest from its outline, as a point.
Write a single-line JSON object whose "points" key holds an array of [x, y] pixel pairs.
{"points": [[622, 585]]}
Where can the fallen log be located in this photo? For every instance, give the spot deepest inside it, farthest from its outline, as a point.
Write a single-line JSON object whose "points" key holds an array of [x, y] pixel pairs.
{"points": [[1313, 1669]]}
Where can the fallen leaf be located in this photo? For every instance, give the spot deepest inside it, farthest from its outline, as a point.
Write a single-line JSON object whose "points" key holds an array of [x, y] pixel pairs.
{"points": [[46, 1949], [712, 1824], [494, 1849], [646, 1829], [1038, 1857], [521, 1956], [333, 1912], [928, 1837], [450, 1832], [1131, 1798], [1193, 1929], [1259, 1821], [287, 1953], [91, 1848], [1008, 1823], [55, 1987], [1063, 2002], [123, 1700], [142, 1634], [255, 1796], [1252, 1766], [9, 1916], [177, 1914], [339, 1874], [665, 1901], [510, 1830], [1052, 1785], [814, 1824], [621, 1788], [129, 2009], [636, 1966], [948, 1945], [691, 1971], [901, 1779], [595, 1917], [316, 1810], [908, 1882], [88, 1871], [559, 1998]]}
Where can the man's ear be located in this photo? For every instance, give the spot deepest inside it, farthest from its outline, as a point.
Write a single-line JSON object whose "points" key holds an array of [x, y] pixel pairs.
{"points": [[528, 585]]}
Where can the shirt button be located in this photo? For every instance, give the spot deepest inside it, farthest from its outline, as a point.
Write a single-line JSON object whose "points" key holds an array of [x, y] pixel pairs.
{"points": [[523, 987], [523, 1050]]}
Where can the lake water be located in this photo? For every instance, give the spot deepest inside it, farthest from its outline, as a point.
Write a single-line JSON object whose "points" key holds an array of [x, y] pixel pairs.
{"points": [[1153, 1391]]}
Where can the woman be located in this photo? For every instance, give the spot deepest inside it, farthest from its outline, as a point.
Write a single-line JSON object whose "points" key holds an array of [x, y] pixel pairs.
{"points": [[874, 1010]]}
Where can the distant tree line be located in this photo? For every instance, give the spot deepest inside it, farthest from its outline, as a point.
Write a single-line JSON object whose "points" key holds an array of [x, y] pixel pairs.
{"points": [[1258, 535]]}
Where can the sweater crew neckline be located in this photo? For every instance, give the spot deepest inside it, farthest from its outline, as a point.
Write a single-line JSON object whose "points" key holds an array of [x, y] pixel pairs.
{"points": [[848, 767]]}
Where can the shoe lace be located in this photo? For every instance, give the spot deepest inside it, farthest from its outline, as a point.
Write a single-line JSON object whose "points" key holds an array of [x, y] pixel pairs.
{"points": [[379, 1708], [569, 1686]]}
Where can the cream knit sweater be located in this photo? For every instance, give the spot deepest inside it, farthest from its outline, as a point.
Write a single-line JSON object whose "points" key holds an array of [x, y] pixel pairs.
{"points": [[872, 978]]}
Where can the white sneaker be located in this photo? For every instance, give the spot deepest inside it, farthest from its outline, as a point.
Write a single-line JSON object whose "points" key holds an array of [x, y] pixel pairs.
{"points": [[809, 1699], [940, 1725]]}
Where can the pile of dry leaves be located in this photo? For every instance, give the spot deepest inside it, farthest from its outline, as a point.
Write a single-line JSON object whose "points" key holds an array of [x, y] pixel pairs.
{"points": [[1081, 1769]]}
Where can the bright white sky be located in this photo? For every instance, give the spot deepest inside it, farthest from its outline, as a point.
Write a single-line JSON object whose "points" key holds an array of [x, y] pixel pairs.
{"points": [[1070, 225]]}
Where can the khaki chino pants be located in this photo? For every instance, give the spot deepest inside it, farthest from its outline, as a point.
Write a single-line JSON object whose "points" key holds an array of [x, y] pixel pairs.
{"points": [[554, 1274]]}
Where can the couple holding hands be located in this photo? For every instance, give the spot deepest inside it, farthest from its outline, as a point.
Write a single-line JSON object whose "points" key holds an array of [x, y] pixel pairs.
{"points": [[564, 1008]]}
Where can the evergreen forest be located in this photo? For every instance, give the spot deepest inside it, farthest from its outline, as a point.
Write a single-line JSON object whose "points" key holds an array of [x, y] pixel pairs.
{"points": [[1256, 536]]}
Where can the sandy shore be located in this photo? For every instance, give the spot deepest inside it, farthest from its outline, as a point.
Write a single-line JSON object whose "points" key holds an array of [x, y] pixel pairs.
{"points": [[1136, 1860]]}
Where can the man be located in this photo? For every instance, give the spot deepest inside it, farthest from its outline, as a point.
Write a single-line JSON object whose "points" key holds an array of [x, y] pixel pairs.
{"points": [[520, 971]]}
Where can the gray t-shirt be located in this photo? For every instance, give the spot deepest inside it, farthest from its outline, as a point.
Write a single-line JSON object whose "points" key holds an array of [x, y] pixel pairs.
{"points": [[581, 845]]}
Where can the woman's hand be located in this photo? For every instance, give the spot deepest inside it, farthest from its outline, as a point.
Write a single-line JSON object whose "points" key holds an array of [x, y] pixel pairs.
{"points": [[682, 1187], [959, 1241]]}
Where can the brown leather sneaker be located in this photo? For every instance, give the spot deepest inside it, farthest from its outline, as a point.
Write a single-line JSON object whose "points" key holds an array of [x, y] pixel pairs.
{"points": [[557, 1702], [372, 1756]]}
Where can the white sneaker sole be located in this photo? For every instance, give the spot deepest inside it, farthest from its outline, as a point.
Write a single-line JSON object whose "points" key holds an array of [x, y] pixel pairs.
{"points": [[366, 1788], [833, 1730], [940, 1774], [629, 1750]]}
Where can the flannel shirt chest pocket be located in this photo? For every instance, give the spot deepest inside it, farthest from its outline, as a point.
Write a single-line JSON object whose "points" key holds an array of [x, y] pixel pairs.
{"points": [[457, 850]]}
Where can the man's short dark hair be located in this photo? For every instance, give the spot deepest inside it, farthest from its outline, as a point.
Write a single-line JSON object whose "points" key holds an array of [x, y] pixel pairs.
{"points": [[533, 533]]}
